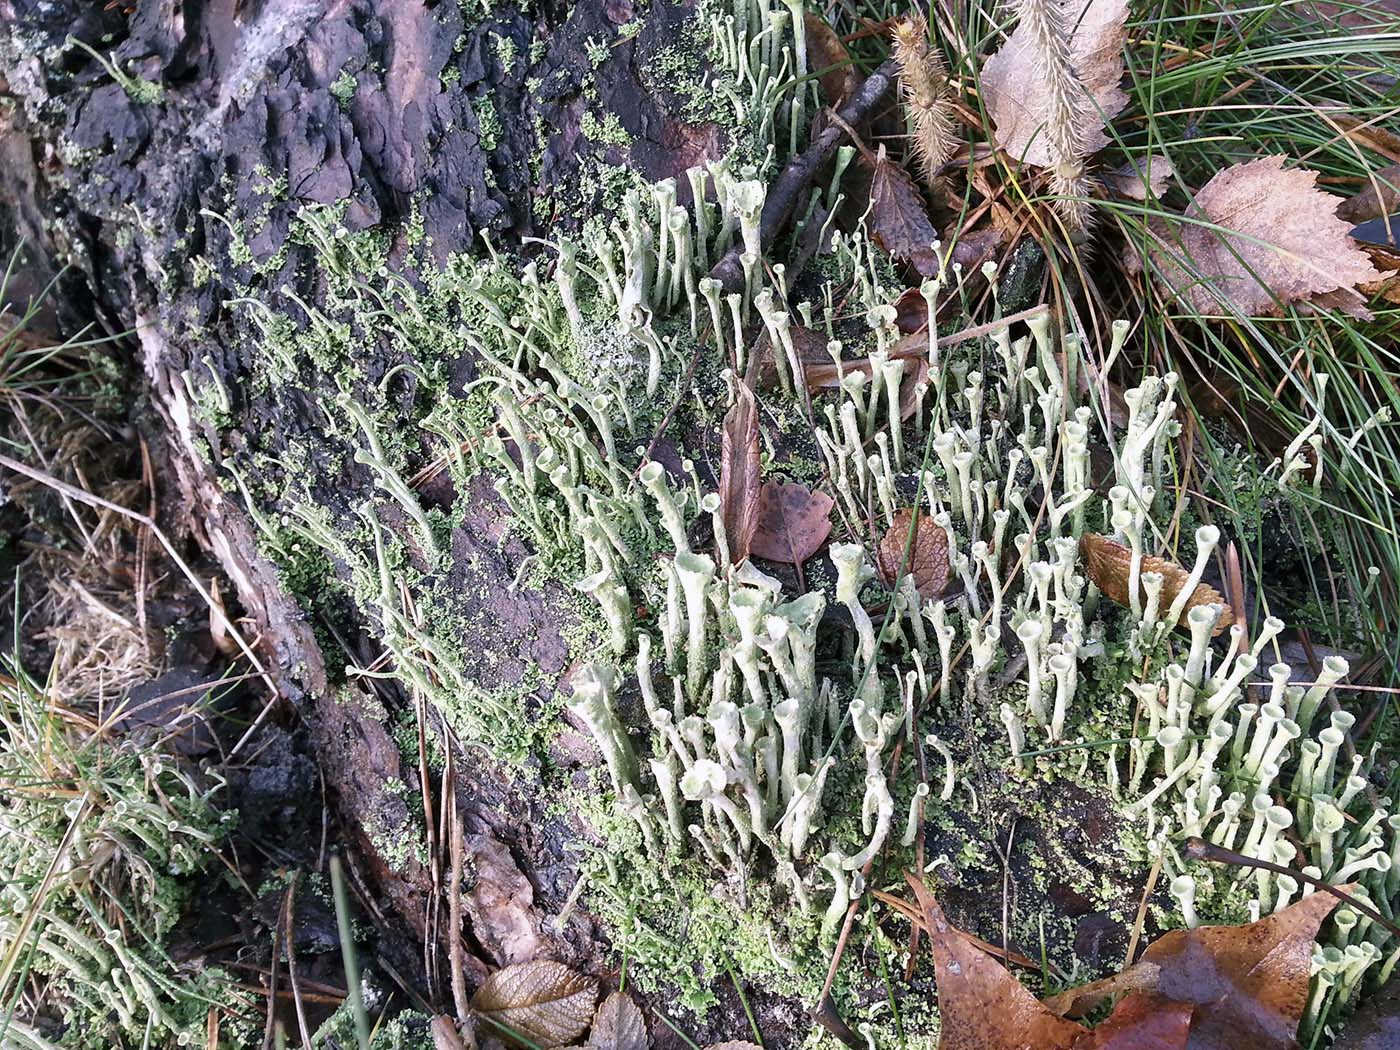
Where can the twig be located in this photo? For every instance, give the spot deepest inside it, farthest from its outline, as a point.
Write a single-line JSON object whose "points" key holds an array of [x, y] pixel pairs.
{"points": [[454, 920], [289, 924], [781, 202], [1141, 920], [1200, 849]]}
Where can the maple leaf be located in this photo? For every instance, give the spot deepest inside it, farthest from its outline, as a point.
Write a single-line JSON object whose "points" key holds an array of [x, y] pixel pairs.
{"points": [[928, 557], [543, 1001], [1279, 242], [898, 219], [1107, 563], [1247, 985], [738, 474], [1018, 94], [793, 522]]}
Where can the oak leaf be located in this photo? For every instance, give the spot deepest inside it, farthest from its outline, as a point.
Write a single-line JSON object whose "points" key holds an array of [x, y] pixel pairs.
{"points": [[899, 219], [1018, 96], [738, 474], [1107, 563], [793, 522], [542, 1001], [928, 556], [618, 1025], [1258, 239], [1248, 985]]}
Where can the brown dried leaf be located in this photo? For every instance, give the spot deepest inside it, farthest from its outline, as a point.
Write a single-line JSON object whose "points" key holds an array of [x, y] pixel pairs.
{"points": [[738, 474], [618, 1025], [827, 56], [1142, 1021], [1139, 180], [898, 217], [1248, 984], [981, 1005], [1281, 243], [928, 558], [1378, 197], [1107, 562], [546, 1002], [793, 522], [1018, 95]]}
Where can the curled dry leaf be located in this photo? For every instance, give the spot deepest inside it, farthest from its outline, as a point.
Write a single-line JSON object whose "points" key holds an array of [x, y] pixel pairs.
{"points": [[1108, 563], [738, 474], [618, 1025], [1279, 242], [793, 522], [1380, 196], [898, 217], [928, 557], [1138, 180], [1248, 985], [1019, 98], [828, 58], [981, 1005], [543, 1001]]}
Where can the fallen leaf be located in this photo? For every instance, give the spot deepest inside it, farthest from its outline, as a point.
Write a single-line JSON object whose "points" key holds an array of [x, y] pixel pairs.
{"points": [[1248, 984], [762, 372], [928, 557], [793, 522], [543, 1001], [1142, 1021], [914, 352], [981, 1005], [618, 1025], [828, 58], [899, 219], [1280, 242], [1138, 180], [1019, 99], [1108, 562], [1380, 196], [738, 474]]}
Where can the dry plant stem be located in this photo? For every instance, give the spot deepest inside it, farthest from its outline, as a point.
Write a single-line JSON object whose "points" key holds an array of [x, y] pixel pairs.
{"points": [[454, 904], [1200, 849], [269, 1024], [1141, 919], [73, 492], [781, 202]]}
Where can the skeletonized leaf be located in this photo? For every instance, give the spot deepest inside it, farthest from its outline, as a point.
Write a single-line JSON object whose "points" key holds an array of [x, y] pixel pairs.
{"points": [[793, 522], [1279, 242], [1108, 563], [618, 1025], [1142, 1021], [1019, 98], [898, 217], [928, 557], [981, 1005], [1248, 984], [738, 474], [546, 1002]]}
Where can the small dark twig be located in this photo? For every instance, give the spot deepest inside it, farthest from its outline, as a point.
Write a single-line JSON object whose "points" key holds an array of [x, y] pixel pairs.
{"points": [[781, 202], [1200, 849]]}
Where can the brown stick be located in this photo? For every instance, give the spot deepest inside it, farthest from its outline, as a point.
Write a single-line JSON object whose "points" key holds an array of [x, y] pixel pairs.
{"points": [[781, 202]]}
